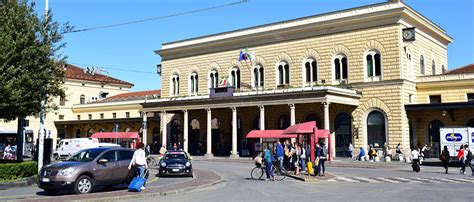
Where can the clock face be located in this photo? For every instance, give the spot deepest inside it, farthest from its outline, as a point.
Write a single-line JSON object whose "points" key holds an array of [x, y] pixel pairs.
{"points": [[408, 34]]}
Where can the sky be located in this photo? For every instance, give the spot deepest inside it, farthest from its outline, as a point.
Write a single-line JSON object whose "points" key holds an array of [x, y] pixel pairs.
{"points": [[132, 47]]}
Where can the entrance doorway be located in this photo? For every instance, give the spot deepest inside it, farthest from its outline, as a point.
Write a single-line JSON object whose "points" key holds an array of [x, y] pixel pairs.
{"points": [[434, 139], [343, 131]]}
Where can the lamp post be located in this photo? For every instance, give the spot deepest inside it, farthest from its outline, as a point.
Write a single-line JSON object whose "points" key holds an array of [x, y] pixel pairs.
{"points": [[43, 103]]}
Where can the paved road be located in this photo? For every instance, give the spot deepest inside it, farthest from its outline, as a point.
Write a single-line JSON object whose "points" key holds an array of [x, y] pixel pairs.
{"points": [[392, 184], [33, 192]]}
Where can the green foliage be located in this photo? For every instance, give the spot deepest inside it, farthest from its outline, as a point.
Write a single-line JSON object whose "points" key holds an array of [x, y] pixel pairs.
{"points": [[29, 59], [14, 171]]}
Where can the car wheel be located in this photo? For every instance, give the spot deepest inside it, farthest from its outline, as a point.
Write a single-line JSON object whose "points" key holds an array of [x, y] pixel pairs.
{"points": [[55, 157], [84, 185], [51, 191]]}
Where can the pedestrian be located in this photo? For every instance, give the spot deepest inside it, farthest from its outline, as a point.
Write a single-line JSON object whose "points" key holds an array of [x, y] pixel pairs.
{"points": [[7, 152], [467, 157], [444, 157], [372, 153], [460, 157], [293, 157], [139, 161], [384, 150], [361, 154], [303, 158], [296, 157], [268, 157], [351, 150], [280, 153], [423, 152], [175, 147], [415, 156], [322, 154], [147, 150]]}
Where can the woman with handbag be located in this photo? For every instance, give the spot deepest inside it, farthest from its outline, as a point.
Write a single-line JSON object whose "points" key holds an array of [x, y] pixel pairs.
{"points": [[444, 157]]}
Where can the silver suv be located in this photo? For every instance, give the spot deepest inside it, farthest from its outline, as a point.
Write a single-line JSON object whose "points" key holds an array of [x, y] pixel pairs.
{"points": [[86, 169]]}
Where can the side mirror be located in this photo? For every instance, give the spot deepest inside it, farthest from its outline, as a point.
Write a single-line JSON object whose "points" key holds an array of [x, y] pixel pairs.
{"points": [[102, 161], [190, 158]]}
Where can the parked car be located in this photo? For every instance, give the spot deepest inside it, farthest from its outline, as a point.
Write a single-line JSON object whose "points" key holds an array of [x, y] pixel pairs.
{"points": [[86, 169], [175, 163]]}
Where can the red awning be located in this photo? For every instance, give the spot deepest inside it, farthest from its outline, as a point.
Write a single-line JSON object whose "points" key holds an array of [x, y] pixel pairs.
{"points": [[120, 135], [322, 133], [302, 128], [268, 134]]}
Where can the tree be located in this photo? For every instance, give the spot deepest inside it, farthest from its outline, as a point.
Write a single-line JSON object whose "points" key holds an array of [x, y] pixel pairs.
{"points": [[30, 59]]}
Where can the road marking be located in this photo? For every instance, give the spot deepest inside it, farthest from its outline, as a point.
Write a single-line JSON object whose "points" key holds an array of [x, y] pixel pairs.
{"points": [[363, 179], [425, 180], [400, 179], [463, 180], [447, 180], [387, 180], [345, 179]]}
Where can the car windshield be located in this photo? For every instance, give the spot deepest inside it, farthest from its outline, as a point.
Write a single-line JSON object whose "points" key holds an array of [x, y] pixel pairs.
{"points": [[176, 156], [85, 155]]}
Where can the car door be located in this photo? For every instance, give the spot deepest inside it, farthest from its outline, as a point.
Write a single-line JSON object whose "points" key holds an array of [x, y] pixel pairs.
{"points": [[125, 156], [105, 172]]}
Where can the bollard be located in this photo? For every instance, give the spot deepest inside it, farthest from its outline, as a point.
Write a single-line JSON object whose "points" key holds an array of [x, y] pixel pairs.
{"points": [[388, 159], [376, 159]]}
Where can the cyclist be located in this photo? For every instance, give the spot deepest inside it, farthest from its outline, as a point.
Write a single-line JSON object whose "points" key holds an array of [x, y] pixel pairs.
{"points": [[268, 157]]}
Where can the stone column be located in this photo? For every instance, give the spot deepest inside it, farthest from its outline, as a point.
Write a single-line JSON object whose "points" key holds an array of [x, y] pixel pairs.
{"points": [[164, 129], [234, 133], [209, 134], [262, 119], [331, 145], [185, 130], [292, 118], [144, 129]]}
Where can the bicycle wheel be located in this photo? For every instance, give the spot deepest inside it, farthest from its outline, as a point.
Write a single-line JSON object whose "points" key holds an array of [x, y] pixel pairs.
{"points": [[278, 173], [257, 173]]}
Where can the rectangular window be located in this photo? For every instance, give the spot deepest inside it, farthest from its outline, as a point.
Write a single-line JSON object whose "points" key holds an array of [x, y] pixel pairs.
{"points": [[62, 101], [90, 116], [101, 116], [114, 115], [470, 97], [435, 99], [127, 114], [61, 117], [78, 117]]}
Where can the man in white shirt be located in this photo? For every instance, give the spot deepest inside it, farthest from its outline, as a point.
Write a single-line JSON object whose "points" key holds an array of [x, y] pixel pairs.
{"points": [[139, 160]]}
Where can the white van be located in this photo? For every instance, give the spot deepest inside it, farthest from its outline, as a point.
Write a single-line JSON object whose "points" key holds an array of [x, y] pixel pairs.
{"points": [[67, 147], [454, 137]]}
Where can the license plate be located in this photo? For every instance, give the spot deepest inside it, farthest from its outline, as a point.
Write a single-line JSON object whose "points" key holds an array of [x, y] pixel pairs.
{"points": [[45, 179], [175, 170]]}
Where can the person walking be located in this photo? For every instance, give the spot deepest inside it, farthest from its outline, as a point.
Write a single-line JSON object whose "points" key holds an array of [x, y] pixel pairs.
{"points": [[361, 154], [460, 157], [303, 158], [297, 159], [139, 161], [466, 159], [321, 153], [280, 153], [444, 157], [415, 156], [268, 157], [351, 150]]}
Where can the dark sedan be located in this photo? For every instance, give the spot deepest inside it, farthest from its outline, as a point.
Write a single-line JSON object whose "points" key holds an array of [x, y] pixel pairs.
{"points": [[176, 163]]}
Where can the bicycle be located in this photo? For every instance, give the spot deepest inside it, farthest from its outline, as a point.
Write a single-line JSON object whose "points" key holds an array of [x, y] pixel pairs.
{"points": [[258, 171]]}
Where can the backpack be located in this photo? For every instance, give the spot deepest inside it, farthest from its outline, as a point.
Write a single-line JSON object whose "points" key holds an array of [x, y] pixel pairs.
{"points": [[469, 156]]}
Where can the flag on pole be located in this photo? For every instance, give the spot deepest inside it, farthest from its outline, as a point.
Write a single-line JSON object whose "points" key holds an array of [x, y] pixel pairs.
{"points": [[242, 56]]}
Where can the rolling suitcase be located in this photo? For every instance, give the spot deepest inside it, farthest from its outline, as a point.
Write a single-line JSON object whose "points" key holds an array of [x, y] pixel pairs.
{"points": [[416, 167], [137, 183], [309, 166]]}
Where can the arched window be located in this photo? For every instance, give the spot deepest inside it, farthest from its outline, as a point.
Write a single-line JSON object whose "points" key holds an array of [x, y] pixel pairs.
{"points": [[235, 77], [258, 77], [374, 65], [193, 83], [313, 117], [78, 133], [284, 122], [283, 73], [174, 87], [213, 79], [310, 71], [433, 67], [422, 65], [470, 123], [376, 127], [82, 99], [256, 123], [340, 67]]}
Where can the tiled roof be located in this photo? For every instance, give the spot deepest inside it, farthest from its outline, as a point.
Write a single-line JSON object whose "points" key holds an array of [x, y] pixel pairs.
{"points": [[462, 70], [73, 72], [141, 95]]}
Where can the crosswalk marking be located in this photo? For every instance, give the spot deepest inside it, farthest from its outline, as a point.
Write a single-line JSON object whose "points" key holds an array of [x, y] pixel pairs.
{"points": [[396, 180]]}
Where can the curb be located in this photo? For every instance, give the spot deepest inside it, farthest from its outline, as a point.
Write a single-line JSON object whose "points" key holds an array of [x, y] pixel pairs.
{"points": [[20, 183], [156, 194]]}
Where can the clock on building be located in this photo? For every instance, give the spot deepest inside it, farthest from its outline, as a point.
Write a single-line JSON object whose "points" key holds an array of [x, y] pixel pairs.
{"points": [[408, 34]]}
